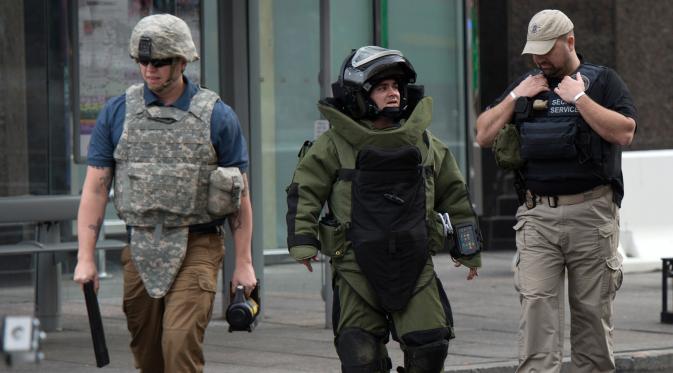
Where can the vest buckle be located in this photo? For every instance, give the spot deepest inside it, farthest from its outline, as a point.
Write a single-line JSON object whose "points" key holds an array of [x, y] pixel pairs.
{"points": [[552, 201]]}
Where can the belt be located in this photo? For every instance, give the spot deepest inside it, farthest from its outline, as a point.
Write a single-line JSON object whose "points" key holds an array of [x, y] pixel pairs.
{"points": [[207, 228], [195, 229], [567, 199]]}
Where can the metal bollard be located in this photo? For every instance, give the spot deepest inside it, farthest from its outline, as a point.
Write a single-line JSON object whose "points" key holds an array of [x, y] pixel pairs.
{"points": [[48, 280], [102, 270], [666, 275], [327, 292]]}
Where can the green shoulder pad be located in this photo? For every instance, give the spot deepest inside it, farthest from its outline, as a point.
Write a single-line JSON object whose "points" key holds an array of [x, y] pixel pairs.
{"points": [[506, 148]]}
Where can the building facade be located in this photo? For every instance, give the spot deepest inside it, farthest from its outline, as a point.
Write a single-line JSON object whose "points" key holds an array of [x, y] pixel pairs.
{"points": [[632, 37], [271, 60]]}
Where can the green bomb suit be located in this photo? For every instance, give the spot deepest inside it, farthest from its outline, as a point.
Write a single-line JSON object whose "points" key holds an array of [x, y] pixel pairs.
{"points": [[425, 321]]}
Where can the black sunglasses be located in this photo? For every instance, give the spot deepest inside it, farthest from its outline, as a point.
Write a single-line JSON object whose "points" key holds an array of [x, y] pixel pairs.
{"points": [[157, 63]]}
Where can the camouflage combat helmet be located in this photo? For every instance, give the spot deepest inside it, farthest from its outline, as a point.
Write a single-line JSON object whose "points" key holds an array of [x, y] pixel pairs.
{"points": [[162, 36]]}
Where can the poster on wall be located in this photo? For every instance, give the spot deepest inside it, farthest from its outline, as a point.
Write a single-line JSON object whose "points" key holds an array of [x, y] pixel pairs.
{"points": [[105, 67]]}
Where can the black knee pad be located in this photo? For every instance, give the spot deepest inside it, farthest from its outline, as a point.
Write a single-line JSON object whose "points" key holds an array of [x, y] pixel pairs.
{"points": [[425, 351], [360, 352]]}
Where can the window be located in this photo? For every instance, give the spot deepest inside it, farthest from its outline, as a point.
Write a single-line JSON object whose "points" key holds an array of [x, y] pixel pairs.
{"points": [[285, 89], [430, 34]]}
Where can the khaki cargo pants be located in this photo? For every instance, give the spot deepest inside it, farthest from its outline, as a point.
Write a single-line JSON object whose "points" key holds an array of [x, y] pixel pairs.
{"points": [[167, 333], [580, 238]]}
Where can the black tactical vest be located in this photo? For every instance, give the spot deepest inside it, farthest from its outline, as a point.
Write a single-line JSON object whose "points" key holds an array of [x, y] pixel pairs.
{"points": [[563, 154]]}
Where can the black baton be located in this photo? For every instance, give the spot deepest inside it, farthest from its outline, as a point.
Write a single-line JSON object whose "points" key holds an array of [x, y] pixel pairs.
{"points": [[96, 324]]}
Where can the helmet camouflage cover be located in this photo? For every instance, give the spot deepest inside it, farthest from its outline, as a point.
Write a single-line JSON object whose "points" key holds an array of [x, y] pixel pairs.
{"points": [[162, 36]]}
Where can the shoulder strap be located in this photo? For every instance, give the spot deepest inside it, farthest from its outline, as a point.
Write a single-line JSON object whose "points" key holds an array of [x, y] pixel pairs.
{"points": [[135, 102], [590, 74], [202, 104]]}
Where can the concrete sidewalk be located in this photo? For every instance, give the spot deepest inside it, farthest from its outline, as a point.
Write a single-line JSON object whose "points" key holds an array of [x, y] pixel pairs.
{"points": [[292, 337]]}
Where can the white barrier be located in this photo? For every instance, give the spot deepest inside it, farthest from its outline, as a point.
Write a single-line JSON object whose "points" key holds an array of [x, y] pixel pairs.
{"points": [[646, 216]]}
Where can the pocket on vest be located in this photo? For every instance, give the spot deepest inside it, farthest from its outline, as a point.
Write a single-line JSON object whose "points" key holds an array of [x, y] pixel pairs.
{"points": [[549, 140], [167, 188], [225, 186], [332, 237], [507, 148]]}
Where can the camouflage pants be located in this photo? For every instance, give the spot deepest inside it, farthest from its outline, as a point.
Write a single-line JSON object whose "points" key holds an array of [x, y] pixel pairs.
{"points": [[167, 333]]}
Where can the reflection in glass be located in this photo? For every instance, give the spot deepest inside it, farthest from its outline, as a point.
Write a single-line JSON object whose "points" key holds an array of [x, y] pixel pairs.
{"points": [[430, 34]]}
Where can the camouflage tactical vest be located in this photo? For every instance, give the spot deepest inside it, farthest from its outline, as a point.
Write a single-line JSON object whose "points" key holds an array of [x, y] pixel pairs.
{"points": [[163, 162]]}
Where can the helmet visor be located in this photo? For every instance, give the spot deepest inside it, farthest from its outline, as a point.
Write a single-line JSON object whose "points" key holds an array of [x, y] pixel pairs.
{"points": [[367, 54]]}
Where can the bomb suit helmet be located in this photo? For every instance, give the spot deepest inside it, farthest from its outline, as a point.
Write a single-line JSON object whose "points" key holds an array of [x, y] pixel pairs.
{"points": [[362, 70], [162, 36]]}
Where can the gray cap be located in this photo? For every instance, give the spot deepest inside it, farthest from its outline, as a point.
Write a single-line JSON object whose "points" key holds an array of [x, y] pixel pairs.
{"points": [[169, 36], [543, 30]]}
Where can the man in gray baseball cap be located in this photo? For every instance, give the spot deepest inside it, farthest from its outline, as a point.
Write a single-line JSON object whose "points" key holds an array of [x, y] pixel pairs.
{"points": [[572, 118]]}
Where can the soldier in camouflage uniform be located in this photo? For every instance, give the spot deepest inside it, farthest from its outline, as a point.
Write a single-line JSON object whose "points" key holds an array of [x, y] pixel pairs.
{"points": [[179, 161], [385, 178]]}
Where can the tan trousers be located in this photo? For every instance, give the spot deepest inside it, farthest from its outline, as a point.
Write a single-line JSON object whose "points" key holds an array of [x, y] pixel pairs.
{"points": [[167, 333], [580, 239]]}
